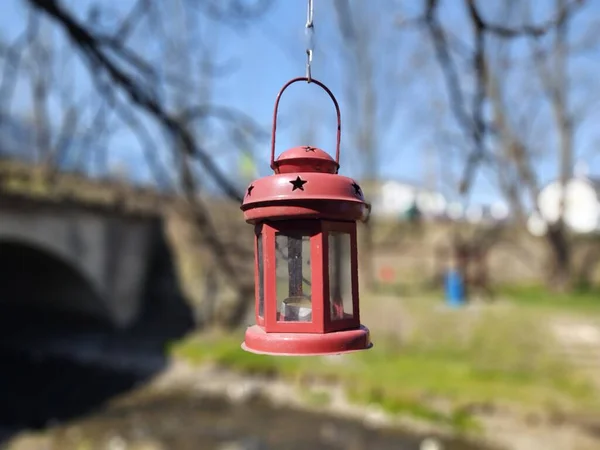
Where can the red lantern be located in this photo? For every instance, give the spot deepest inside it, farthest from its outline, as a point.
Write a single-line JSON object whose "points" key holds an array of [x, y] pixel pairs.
{"points": [[306, 264]]}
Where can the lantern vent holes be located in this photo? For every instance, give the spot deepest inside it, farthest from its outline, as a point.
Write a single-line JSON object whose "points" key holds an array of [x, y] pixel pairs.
{"points": [[298, 183], [340, 276], [294, 303]]}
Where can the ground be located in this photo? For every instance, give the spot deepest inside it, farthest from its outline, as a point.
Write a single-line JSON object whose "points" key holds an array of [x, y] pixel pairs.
{"points": [[519, 371]]}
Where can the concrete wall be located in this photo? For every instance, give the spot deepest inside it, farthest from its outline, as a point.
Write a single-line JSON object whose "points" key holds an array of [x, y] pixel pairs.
{"points": [[108, 254], [416, 254]]}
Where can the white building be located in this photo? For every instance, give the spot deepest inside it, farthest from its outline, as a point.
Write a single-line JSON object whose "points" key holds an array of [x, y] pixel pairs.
{"points": [[581, 207], [394, 198]]}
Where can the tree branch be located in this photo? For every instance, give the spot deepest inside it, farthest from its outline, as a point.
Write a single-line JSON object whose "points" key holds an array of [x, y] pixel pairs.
{"points": [[88, 44], [527, 30]]}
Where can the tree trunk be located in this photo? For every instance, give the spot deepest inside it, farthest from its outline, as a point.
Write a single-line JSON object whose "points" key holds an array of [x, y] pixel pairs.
{"points": [[559, 273]]}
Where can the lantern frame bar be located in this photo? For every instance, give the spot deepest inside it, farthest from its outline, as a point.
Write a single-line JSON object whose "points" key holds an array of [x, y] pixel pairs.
{"points": [[310, 228], [259, 239]]}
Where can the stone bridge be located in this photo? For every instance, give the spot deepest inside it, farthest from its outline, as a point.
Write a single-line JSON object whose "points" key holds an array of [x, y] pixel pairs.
{"points": [[83, 261], [70, 244]]}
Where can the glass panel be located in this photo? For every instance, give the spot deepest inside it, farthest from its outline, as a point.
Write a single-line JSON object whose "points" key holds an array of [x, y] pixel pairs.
{"points": [[261, 276], [340, 276], [293, 277]]}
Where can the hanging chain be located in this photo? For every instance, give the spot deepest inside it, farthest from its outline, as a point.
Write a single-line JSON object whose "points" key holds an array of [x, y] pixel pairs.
{"points": [[309, 30]]}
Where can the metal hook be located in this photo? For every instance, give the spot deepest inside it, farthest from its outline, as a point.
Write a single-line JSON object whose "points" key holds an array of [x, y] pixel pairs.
{"points": [[309, 31]]}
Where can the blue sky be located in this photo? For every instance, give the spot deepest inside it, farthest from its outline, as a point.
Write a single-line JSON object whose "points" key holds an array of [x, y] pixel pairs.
{"points": [[267, 52]]}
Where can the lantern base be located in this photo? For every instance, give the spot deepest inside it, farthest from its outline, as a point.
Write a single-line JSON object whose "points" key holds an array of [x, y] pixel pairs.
{"points": [[306, 344]]}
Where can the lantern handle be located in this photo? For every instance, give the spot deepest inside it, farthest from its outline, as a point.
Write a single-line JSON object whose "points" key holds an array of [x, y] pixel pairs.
{"points": [[337, 110]]}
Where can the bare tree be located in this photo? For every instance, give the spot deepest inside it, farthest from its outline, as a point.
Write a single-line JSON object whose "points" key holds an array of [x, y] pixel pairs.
{"points": [[371, 105], [497, 118], [553, 69]]}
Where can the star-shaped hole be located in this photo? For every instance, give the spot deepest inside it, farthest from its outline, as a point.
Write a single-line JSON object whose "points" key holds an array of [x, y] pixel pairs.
{"points": [[249, 192], [357, 190], [298, 183], [308, 148]]}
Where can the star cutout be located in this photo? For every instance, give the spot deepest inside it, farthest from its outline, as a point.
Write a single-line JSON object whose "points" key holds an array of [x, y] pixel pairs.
{"points": [[356, 188], [298, 183], [308, 148], [249, 193]]}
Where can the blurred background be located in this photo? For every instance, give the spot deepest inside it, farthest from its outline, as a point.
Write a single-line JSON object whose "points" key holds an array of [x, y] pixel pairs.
{"points": [[129, 131]]}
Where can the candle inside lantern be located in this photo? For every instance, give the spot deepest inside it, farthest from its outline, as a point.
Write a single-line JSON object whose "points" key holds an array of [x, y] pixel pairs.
{"points": [[297, 306]]}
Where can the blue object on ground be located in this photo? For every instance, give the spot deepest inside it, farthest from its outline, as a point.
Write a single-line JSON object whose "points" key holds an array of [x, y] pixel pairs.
{"points": [[455, 288]]}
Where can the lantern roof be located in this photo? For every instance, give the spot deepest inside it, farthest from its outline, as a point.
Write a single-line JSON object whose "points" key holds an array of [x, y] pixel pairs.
{"points": [[305, 188], [306, 184], [305, 159]]}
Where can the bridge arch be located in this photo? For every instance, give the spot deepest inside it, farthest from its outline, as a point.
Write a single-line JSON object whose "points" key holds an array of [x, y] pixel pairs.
{"points": [[111, 253], [38, 274]]}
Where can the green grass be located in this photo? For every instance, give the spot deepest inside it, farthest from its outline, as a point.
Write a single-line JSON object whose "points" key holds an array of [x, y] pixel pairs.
{"points": [[435, 363], [537, 296], [317, 398], [370, 377], [499, 356]]}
